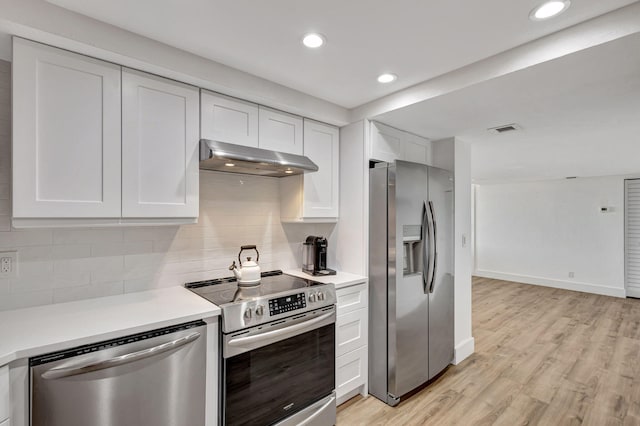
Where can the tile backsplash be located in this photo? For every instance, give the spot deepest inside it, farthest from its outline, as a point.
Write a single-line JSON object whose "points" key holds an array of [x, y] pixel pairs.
{"points": [[59, 265]]}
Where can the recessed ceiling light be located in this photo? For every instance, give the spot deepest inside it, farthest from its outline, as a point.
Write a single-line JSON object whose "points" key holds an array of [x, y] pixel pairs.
{"points": [[313, 40], [549, 9], [387, 78], [229, 164], [288, 171]]}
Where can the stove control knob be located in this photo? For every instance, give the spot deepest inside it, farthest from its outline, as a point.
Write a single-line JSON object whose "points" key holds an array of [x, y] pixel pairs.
{"points": [[248, 314], [320, 295], [259, 310], [312, 297]]}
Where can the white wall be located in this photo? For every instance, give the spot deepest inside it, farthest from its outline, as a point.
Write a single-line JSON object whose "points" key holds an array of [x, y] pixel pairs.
{"points": [[539, 232], [464, 340], [58, 265]]}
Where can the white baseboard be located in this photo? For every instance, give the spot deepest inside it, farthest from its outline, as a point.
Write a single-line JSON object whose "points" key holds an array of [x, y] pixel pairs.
{"points": [[547, 282], [633, 292], [463, 350]]}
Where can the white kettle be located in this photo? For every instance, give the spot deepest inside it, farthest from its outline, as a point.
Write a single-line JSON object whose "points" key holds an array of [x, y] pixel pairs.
{"points": [[247, 274]]}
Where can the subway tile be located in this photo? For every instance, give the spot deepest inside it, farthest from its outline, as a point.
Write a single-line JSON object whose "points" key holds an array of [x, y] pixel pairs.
{"points": [[150, 233], [34, 254], [113, 288], [70, 251], [5, 223], [139, 284], [16, 239], [5, 191], [142, 265], [87, 236], [122, 248], [25, 300]]}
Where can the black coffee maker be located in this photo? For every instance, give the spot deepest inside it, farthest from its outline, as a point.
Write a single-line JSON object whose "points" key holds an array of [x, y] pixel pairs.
{"points": [[314, 256]]}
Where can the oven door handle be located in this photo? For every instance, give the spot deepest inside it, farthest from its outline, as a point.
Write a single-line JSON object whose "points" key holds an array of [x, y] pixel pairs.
{"points": [[240, 341]]}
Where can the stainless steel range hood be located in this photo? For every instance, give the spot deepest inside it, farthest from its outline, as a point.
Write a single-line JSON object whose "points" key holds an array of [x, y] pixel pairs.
{"points": [[226, 157]]}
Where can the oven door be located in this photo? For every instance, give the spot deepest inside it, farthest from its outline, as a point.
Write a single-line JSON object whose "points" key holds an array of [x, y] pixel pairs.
{"points": [[276, 370]]}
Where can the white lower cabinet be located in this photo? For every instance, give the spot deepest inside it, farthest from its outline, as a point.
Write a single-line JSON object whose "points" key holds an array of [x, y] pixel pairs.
{"points": [[351, 374], [5, 406], [351, 331], [351, 341]]}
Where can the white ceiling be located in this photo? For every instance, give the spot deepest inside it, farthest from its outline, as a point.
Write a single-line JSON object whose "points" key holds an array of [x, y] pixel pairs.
{"points": [[580, 116], [415, 39]]}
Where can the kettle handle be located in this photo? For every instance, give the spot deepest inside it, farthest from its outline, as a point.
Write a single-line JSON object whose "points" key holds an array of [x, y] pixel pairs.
{"points": [[250, 247]]}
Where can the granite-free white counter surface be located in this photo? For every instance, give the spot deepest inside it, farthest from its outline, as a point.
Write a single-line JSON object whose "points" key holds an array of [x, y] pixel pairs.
{"points": [[340, 279], [39, 330]]}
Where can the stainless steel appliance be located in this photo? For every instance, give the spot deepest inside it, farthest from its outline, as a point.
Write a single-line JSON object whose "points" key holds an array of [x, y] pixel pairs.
{"points": [[278, 350], [249, 160], [314, 256], [410, 277], [147, 379]]}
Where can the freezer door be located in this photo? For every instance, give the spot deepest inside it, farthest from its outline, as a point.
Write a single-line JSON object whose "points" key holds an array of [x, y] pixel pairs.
{"points": [[408, 304], [441, 319]]}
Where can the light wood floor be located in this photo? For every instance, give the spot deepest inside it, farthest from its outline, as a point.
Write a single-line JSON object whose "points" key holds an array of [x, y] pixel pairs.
{"points": [[543, 357]]}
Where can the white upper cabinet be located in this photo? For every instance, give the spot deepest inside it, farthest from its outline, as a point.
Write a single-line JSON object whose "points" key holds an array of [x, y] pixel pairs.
{"points": [[160, 139], [66, 134], [280, 131], [230, 120], [386, 142], [390, 144], [321, 145], [314, 197]]}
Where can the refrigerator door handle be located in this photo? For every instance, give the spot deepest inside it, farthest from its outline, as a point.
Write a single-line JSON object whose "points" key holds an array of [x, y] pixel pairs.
{"points": [[433, 248], [426, 253]]}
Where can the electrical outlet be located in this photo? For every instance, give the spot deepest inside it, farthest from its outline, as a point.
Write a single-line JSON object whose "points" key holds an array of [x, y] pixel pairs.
{"points": [[8, 264], [571, 274]]}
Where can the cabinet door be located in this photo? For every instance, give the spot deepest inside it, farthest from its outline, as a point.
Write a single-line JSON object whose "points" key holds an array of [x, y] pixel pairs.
{"points": [[228, 120], [280, 131], [386, 143], [351, 331], [66, 134], [160, 147], [417, 149], [321, 145], [351, 371]]}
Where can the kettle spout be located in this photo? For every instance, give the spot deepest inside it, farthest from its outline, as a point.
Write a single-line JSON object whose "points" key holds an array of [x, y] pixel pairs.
{"points": [[235, 270]]}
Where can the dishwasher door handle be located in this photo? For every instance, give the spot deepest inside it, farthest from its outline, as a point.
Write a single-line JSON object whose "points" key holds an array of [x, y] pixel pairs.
{"points": [[57, 373]]}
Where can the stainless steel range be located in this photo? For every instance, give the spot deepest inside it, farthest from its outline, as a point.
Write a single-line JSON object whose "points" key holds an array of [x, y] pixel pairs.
{"points": [[278, 350]]}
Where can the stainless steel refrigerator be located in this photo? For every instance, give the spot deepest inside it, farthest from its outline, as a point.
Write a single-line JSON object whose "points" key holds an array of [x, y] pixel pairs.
{"points": [[410, 277]]}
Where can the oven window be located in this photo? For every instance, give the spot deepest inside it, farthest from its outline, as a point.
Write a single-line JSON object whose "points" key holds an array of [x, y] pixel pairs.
{"points": [[268, 384]]}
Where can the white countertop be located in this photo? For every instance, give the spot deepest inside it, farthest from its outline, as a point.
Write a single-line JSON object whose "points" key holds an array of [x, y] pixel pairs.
{"points": [[43, 329], [340, 279]]}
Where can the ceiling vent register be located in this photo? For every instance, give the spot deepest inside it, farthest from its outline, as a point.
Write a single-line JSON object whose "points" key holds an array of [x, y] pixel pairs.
{"points": [[505, 128]]}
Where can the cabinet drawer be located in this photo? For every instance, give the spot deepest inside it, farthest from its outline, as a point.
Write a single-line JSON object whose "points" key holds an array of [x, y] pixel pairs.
{"points": [[4, 393], [352, 298], [351, 371], [351, 331]]}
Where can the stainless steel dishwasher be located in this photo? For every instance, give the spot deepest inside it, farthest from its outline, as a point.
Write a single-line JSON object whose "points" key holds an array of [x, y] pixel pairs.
{"points": [[155, 378]]}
